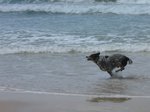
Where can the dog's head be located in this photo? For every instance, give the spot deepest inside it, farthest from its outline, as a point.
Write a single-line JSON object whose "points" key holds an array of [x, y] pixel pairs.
{"points": [[93, 57]]}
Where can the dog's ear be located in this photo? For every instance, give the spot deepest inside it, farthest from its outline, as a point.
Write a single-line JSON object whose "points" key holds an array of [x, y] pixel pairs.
{"points": [[97, 53], [93, 56]]}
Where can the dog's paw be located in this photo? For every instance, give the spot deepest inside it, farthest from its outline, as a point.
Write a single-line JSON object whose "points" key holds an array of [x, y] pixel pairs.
{"points": [[117, 70]]}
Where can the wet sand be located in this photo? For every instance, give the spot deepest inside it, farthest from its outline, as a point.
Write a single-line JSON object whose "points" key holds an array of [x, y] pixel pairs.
{"points": [[31, 102]]}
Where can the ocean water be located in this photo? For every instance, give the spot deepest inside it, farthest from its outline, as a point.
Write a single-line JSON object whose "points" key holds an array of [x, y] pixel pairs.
{"points": [[43, 44]]}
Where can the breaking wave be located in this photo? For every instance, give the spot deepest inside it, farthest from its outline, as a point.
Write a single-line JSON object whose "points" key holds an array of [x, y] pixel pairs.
{"points": [[76, 7], [58, 49], [51, 1], [75, 1], [65, 43]]}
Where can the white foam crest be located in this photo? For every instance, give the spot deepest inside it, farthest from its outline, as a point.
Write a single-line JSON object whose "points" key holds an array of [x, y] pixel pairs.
{"points": [[43, 1], [39, 42], [75, 1], [134, 1], [76, 8], [78, 49]]}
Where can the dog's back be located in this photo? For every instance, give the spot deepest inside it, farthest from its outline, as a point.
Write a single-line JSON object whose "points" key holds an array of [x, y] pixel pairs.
{"points": [[119, 60], [108, 63]]}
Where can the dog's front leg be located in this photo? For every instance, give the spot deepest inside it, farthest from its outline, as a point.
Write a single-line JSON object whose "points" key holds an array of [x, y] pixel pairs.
{"points": [[110, 73]]}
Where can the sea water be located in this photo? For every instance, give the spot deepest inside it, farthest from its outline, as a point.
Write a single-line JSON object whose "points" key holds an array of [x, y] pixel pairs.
{"points": [[43, 45]]}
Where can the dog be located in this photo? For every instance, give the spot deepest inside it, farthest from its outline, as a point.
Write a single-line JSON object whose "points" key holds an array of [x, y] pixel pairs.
{"points": [[109, 63]]}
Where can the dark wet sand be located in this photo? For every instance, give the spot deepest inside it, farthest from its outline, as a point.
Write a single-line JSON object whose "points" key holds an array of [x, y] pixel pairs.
{"points": [[30, 102]]}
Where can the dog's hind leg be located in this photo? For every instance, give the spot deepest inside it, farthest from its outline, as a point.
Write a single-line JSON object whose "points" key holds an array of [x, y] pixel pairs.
{"points": [[122, 68], [122, 65]]}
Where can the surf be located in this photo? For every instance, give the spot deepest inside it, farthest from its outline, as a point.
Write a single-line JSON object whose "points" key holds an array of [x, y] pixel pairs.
{"points": [[76, 7], [75, 1]]}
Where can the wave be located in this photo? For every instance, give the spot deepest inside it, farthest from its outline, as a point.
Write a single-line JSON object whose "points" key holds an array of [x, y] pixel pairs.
{"points": [[42, 42], [75, 1], [134, 1], [77, 8], [77, 49], [51, 1]]}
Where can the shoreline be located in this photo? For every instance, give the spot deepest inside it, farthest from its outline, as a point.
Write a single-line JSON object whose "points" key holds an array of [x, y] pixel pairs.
{"points": [[32, 102], [74, 94]]}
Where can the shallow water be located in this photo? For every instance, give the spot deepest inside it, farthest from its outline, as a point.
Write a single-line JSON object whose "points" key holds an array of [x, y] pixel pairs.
{"points": [[43, 45], [71, 73]]}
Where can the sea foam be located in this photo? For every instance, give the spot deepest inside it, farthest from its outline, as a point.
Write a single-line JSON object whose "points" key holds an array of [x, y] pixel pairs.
{"points": [[121, 7]]}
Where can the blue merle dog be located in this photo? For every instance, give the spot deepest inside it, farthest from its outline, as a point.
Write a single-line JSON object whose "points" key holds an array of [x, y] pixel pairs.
{"points": [[109, 63]]}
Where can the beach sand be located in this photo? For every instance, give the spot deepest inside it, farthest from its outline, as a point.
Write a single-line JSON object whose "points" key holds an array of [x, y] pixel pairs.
{"points": [[31, 102]]}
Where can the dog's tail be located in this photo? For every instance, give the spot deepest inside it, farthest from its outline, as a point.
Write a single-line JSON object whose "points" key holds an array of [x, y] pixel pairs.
{"points": [[130, 61]]}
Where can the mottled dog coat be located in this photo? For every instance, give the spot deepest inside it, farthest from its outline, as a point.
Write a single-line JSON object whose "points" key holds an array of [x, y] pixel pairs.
{"points": [[108, 63]]}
